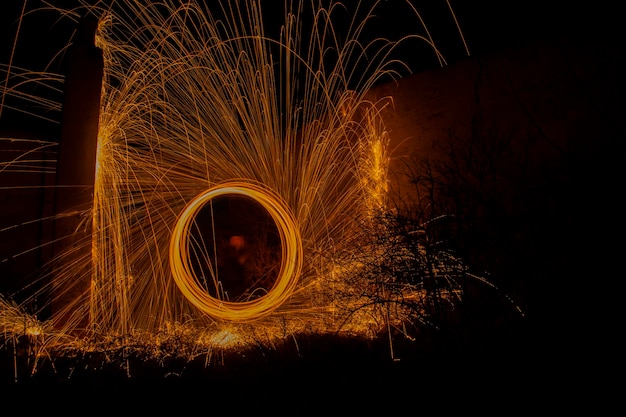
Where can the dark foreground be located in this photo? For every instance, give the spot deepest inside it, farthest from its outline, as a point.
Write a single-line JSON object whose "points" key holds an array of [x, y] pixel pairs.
{"points": [[318, 376]]}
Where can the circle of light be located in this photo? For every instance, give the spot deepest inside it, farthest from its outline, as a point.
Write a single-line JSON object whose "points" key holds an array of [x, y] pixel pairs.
{"points": [[291, 260]]}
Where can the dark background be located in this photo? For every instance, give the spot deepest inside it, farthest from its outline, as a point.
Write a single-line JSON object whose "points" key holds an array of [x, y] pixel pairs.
{"points": [[572, 332]]}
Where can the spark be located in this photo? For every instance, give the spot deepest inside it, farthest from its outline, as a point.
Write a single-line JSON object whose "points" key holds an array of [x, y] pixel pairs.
{"points": [[198, 102]]}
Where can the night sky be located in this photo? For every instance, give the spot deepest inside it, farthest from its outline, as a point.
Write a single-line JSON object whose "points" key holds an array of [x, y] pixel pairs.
{"points": [[486, 24]]}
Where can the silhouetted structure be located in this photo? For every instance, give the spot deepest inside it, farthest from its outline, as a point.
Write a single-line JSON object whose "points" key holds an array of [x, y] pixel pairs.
{"points": [[76, 167]]}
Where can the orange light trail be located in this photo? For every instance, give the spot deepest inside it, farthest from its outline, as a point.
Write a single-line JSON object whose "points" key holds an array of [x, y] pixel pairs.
{"points": [[198, 105], [291, 260]]}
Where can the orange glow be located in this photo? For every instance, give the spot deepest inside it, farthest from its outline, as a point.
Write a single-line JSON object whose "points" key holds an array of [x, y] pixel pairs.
{"points": [[291, 265], [196, 106]]}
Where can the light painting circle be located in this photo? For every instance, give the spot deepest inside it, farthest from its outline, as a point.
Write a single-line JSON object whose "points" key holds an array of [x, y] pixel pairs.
{"points": [[291, 260]]}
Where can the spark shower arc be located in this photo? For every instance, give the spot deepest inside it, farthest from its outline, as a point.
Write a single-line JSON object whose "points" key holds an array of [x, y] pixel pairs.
{"points": [[200, 103]]}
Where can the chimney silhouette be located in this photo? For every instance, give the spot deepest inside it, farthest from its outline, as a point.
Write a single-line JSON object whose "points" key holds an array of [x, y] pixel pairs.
{"points": [[74, 191]]}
